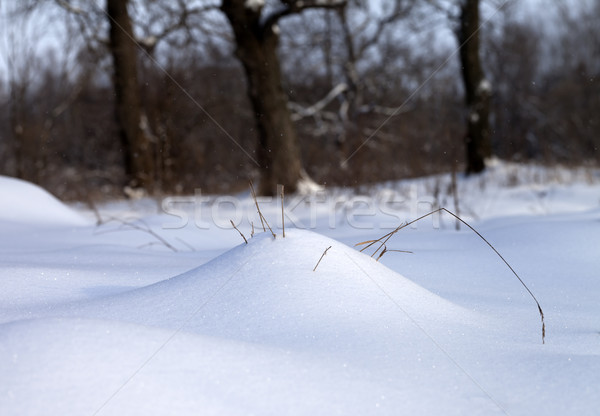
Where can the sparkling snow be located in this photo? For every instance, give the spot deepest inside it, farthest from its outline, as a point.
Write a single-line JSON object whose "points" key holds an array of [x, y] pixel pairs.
{"points": [[106, 320]]}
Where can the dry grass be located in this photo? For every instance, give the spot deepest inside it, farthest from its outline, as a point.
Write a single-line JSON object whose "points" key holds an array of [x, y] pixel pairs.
{"points": [[263, 220], [140, 225], [245, 241], [381, 242], [282, 213], [321, 258]]}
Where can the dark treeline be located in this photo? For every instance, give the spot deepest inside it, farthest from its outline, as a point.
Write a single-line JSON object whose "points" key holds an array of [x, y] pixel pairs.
{"points": [[368, 106]]}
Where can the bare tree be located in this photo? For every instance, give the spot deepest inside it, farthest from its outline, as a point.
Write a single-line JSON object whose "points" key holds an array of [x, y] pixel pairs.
{"points": [[343, 55], [23, 65], [358, 40], [477, 88], [256, 35], [138, 151], [347, 73]]}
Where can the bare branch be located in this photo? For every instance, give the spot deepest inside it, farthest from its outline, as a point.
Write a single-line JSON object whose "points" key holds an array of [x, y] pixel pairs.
{"points": [[297, 6], [386, 111], [182, 22], [400, 10], [302, 112], [69, 7]]}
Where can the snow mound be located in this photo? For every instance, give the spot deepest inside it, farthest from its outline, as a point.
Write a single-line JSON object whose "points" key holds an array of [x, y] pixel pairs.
{"points": [[254, 331], [267, 292], [24, 202], [73, 366]]}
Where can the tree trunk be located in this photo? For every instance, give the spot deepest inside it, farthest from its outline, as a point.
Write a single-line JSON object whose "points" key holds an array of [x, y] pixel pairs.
{"points": [[256, 48], [16, 102], [137, 149], [477, 89]]}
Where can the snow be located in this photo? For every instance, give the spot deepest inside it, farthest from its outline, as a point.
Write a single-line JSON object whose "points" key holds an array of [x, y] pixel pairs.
{"points": [[307, 186], [254, 5], [23, 201], [484, 87], [105, 320]]}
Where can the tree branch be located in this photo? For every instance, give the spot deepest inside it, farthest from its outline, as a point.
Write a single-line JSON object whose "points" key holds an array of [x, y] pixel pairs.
{"points": [[150, 41], [297, 6], [400, 10], [69, 7], [302, 112]]}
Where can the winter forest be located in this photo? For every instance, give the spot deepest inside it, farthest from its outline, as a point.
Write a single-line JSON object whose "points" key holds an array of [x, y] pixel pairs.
{"points": [[168, 96], [434, 248]]}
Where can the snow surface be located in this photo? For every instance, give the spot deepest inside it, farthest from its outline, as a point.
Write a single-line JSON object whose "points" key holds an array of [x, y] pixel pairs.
{"points": [[106, 320], [254, 5], [23, 201]]}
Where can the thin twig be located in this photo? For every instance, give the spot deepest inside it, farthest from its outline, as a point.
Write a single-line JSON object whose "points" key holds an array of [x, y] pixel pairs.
{"points": [[246, 241], [322, 255]]}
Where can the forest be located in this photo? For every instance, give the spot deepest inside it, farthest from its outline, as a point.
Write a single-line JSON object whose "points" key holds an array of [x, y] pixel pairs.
{"points": [[105, 99], [299, 207]]}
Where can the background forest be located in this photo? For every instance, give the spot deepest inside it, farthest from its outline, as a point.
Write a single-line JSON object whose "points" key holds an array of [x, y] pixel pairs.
{"points": [[374, 90]]}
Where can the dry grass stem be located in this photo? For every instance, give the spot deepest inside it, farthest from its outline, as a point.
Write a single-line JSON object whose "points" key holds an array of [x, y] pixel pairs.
{"points": [[253, 192], [282, 216], [263, 220], [92, 205], [321, 258], [269, 227], [231, 221], [454, 186], [188, 245], [384, 239], [385, 250], [140, 225]]}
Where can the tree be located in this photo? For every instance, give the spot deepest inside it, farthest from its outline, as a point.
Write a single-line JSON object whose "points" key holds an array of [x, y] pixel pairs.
{"points": [[477, 88], [139, 159], [256, 36], [157, 21]]}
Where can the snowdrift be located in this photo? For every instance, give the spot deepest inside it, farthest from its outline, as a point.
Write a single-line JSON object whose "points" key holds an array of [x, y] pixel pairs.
{"points": [[256, 330], [24, 202], [267, 291], [103, 322]]}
